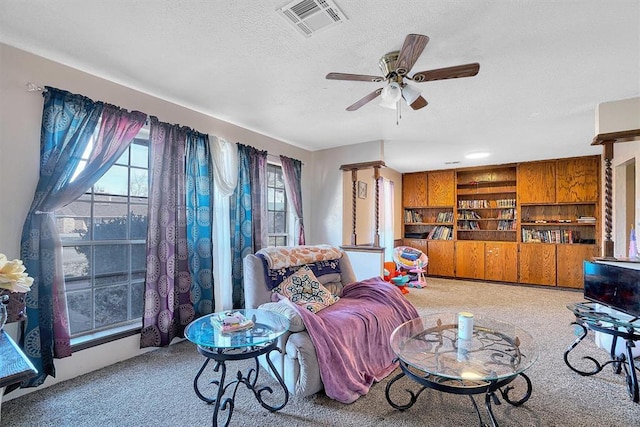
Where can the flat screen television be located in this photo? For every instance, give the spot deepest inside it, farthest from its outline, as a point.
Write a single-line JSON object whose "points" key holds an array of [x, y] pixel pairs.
{"points": [[616, 287]]}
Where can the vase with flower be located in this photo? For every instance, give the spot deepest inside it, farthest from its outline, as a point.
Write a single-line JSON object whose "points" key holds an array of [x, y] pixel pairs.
{"points": [[13, 278]]}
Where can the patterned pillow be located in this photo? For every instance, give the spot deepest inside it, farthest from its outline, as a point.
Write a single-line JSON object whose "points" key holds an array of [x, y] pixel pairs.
{"points": [[304, 289]]}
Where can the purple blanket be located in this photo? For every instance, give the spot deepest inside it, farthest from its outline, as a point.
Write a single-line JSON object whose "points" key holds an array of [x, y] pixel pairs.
{"points": [[351, 337]]}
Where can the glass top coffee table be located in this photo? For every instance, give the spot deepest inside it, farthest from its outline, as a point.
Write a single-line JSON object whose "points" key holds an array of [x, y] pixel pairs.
{"points": [[430, 353], [620, 326], [214, 344]]}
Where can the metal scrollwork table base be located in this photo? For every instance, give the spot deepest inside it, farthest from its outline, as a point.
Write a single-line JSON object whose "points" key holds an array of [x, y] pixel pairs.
{"points": [[221, 347], [431, 354], [598, 318]]}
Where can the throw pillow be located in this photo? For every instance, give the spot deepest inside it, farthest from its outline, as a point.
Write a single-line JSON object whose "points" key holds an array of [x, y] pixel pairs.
{"points": [[304, 289]]}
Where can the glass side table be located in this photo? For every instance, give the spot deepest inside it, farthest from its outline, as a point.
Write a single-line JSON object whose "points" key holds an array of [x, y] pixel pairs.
{"points": [[260, 339], [621, 326], [431, 354]]}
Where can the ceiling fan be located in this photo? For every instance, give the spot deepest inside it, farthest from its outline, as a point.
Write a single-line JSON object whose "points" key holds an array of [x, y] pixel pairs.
{"points": [[396, 66]]}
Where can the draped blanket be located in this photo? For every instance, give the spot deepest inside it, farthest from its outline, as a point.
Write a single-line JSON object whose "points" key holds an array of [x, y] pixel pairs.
{"points": [[289, 256], [351, 337], [273, 277]]}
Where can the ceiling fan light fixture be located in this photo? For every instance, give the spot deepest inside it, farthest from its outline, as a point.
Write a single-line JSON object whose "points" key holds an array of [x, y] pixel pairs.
{"points": [[391, 93], [410, 94]]}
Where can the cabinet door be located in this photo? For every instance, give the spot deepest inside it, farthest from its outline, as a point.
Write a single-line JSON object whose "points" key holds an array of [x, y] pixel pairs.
{"points": [[441, 260], [470, 259], [414, 189], [577, 179], [570, 264], [538, 263], [501, 261], [441, 188], [537, 182]]}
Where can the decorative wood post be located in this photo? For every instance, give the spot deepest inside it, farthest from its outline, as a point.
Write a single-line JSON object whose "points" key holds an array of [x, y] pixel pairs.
{"points": [[354, 181], [376, 176], [608, 199], [607, 140], [354, 168]]}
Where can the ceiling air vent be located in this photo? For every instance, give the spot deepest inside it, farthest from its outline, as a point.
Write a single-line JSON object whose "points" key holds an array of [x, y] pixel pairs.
{"points": [[310, 16]]}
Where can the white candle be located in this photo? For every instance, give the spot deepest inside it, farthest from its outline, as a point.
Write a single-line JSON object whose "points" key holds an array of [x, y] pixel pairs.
{"points": [[465, 325]]}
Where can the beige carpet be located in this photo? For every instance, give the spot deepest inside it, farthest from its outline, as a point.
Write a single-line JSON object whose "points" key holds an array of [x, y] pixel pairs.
{"points": [[156, 388]]}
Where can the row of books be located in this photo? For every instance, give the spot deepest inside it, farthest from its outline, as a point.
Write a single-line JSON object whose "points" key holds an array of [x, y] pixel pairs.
{"points": [[468, 215], [441, 232], [550, 236], [468, 225], [412, 216], [446, 217], [473, 204], [506, 225], [508, 214], [506, 203]]}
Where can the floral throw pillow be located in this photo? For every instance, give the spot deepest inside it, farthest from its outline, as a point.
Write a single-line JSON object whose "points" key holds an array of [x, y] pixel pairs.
{"points": [[304, 289]]}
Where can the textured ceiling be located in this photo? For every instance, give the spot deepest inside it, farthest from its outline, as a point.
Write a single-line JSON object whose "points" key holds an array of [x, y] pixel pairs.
{"points": [[544, 67]]}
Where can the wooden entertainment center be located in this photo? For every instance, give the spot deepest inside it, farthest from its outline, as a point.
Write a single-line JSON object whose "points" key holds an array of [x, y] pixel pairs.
{"points": [[531, 222]]}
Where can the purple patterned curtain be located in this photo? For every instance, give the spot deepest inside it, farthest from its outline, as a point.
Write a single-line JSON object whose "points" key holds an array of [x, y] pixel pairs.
{"points": [[292, 171], [167, 306]]}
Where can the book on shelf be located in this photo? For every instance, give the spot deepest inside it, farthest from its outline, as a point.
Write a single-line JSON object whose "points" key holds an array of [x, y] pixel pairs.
{"points": [[445, 217], [550, 236], [230, 321], [440, 232]]}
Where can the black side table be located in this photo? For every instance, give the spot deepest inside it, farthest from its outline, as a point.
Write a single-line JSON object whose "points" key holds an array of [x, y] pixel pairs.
{"points": [[259, 340], [599, 318], [15, 366]]}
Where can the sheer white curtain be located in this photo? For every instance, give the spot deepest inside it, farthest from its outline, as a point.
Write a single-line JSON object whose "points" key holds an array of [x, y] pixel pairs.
{"points": [[225, 178], [385, 209]]}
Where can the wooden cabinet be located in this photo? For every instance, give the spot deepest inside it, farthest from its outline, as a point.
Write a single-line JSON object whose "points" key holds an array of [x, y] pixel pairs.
{"points": [[441, 258], [577, 180], [537, 264], [441, 188], [470, 259], [414, 189], [486, 208], [570, 264], [532, 222], [537, 182], [501, 261]]}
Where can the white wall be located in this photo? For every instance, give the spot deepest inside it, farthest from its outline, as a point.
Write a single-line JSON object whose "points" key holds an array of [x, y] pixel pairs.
{"points": [[327, 222], [616, 116], [20, 117]]}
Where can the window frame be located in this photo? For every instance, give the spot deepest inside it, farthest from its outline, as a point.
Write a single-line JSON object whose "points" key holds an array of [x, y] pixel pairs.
{"points": [[288, 224], [134, 204]]}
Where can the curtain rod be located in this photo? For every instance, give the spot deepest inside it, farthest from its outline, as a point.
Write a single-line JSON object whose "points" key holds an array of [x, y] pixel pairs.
{"points": [[276, 156], [32, 87]]}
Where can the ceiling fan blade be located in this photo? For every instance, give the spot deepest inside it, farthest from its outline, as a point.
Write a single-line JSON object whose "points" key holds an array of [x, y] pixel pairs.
{"points": [[411, 49], [355, 77], [466, 70], [419, 103], [373, 95]]}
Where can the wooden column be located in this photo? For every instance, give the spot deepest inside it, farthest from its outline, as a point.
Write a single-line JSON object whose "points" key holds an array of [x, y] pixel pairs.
{"points": [[608, 199], [354, 168], [607, 140]]}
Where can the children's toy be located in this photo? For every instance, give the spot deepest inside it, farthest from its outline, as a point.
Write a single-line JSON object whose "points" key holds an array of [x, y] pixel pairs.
{"points": [[411, 260], [394, 276]]}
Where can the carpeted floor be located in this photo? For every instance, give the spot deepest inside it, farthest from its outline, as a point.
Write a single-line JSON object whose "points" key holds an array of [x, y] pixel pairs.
{"points": [[156, 388]]}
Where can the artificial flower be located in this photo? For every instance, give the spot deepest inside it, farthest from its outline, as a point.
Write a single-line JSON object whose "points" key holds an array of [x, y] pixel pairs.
{"points": [[13, 276]]}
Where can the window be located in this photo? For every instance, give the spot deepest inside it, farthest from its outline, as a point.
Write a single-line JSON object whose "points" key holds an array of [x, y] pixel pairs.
{"points": [[276, 206], [103, 236]]}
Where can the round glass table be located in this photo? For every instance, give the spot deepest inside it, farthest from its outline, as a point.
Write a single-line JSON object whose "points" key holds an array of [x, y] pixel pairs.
{"points": [[620, 326], [430, 353], [259, 339]]}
